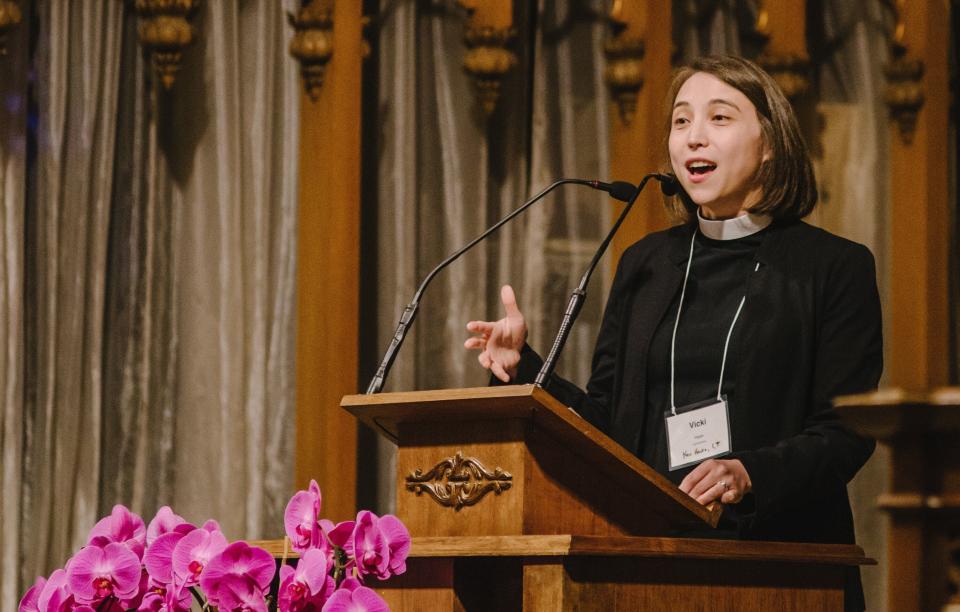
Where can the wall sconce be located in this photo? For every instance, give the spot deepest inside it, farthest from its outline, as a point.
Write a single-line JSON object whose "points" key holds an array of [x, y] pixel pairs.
{"points": [[312, 43], [164, 32], [10, 17]]}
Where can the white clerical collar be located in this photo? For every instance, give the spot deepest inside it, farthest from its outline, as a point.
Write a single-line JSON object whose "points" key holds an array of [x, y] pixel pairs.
{"points": [[731, 229]]}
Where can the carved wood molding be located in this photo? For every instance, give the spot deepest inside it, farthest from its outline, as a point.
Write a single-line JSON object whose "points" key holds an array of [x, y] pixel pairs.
{"points": [[458, 481], [624, 71], [165, 31], [488, 59], [787, 62], [312, 43], [790, 71], [10, 17], [904, 93]]}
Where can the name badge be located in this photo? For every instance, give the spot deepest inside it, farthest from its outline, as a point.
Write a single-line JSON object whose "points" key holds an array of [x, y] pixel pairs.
{"points": [[698, 432]]}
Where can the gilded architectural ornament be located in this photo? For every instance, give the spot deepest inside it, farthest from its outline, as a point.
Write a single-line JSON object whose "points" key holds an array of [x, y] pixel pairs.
{"points": [[624, 72], [953, 566], [904, 92], [790, 71], [165, 31], [312, 43], [458, 481], [10, 17], [488, 60]]}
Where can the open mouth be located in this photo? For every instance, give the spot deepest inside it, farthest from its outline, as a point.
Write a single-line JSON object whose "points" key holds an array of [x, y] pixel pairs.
{"points": [[700, 167]]}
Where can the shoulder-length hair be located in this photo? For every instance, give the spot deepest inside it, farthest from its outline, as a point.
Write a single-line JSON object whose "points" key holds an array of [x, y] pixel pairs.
{"points": [[788, 186]]}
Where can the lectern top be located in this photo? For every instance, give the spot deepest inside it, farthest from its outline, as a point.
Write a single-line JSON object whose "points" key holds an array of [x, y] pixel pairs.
{"points": [[387, 412]]}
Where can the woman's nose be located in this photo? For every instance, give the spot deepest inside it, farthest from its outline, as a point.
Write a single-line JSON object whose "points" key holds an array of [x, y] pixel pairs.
{"points": [[696, 135]]}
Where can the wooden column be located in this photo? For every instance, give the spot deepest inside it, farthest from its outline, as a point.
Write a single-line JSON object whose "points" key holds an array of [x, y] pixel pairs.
{"points": [[637, 144], [329, 272], [918, 343], [917, 94]]}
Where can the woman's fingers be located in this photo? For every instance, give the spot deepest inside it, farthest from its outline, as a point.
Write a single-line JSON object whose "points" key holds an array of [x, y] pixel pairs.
{"points": [[509, 300], [476, 342], [497, 368], [695, 476], [482, 327], [725, 480]]}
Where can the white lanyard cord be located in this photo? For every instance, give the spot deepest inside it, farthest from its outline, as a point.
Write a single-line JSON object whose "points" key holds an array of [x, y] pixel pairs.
{"points": [[676, 324]]}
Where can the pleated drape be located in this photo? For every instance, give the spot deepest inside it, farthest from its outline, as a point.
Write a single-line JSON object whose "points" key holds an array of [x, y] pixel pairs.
{"points": [[13, 181], [148, 345], [446, 173]]}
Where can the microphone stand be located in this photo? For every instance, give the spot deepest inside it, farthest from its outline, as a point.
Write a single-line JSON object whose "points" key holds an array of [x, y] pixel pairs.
{"points": [[579, 294], [410, 312]]}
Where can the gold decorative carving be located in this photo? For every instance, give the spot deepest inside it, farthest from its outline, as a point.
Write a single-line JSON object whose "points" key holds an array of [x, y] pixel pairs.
{"points": [[791, 71], [165, 31], [458, 481], [312, 43], [10, 17], [624, 71], [488, 58], [488, 61], [904, 92]]}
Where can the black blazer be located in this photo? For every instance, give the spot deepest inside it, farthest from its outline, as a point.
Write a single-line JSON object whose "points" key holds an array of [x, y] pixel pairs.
{"points": [[812, 331]]}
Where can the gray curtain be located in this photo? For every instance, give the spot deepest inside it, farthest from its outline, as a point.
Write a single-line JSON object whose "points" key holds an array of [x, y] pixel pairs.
{"points": [[154, 319], [13, 181], [446, 173]]}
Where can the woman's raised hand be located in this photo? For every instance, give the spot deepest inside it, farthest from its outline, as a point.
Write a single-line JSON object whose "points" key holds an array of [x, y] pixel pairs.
{"points": [[499, 342]]}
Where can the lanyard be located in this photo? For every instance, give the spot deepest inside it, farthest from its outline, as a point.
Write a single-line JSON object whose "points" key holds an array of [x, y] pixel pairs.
{"points": [[676, 324]]}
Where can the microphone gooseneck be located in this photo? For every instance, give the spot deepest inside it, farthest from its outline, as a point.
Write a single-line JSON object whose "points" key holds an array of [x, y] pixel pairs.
{"points": [[617, 189], [669, 186]]}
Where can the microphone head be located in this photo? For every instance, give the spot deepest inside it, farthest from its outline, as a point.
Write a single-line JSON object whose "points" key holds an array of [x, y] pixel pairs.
{"points": [[621, 190], [669, 184]]}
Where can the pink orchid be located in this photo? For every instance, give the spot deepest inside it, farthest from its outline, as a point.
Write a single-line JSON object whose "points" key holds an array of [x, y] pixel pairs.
{"points": [[159, 598], [165, 521], [56, 594], [96, 574], [398, 540], [239, 593], [238, 576], [360, 599], [300, 518], [158, 558], [338, 535], [368, 546], [31, 599], [192, 553], [122, 526], [308, 586]]}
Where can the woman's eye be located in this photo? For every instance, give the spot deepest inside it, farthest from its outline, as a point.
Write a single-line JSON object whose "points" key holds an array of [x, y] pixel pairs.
{"points": [[680, 121], [720, 118]]}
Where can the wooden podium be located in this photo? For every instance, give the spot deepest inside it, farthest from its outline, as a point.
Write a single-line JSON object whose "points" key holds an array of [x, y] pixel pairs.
{"points": [[515, 502], [922, 431]]}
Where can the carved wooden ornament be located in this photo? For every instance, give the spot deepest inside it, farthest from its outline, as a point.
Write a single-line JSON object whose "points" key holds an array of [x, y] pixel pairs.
{"points": [[458, 481], [164, 31], [312, 44], [904, 92], [10, 17]]}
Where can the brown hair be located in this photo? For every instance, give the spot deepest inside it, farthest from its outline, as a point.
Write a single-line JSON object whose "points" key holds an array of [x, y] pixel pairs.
{"points": [[788, 187]]}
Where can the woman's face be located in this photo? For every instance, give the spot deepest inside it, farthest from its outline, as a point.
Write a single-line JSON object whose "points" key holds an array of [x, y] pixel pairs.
{"points": [[716, 146]]}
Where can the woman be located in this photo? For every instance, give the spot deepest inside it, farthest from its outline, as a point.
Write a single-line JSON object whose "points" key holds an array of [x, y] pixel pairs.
{"points": [[743, 316]]}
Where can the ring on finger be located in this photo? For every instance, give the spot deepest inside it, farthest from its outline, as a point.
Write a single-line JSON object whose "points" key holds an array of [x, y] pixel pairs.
{"points": [[723, 483]]}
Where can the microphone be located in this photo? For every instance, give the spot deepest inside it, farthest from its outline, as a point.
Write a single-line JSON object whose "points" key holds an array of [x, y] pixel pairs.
{"points": [[618, 189], [669, 186]]}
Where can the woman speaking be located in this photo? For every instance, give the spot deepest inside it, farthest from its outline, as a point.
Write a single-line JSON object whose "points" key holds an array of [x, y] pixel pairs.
{"points": [[740, 324]]}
